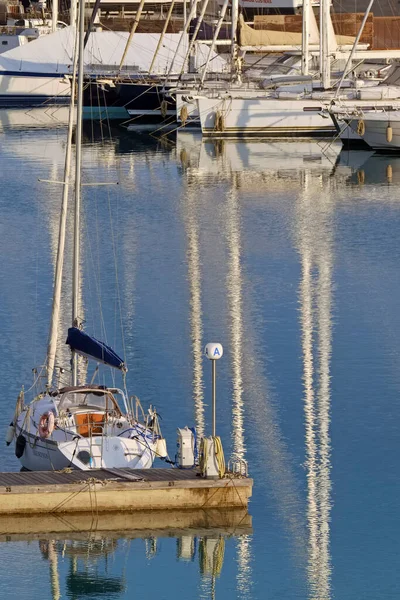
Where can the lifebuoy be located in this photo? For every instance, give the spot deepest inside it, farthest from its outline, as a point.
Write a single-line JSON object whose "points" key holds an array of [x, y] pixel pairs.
{"points": [[46, 424]]}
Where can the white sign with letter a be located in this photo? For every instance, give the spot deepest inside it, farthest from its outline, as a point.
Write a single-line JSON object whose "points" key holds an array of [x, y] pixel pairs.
{"points": [[214, 351]]}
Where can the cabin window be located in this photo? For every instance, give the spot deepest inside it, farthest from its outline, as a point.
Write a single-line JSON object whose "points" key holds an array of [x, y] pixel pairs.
{"points": [[4, 43]]}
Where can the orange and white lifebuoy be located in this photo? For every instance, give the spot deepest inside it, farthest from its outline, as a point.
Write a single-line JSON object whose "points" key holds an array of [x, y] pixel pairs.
{"points": [[46, 424]]}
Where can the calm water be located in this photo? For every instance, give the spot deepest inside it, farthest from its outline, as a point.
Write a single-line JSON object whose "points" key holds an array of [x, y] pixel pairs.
{"points": [[286, 254]]}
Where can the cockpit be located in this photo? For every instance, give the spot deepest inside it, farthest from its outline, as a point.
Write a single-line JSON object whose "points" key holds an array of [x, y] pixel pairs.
{"points": [[90, 407], [88, 398]]}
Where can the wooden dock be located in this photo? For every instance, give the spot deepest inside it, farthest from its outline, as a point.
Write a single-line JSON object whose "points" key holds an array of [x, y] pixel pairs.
{"points": [[118, 490]]}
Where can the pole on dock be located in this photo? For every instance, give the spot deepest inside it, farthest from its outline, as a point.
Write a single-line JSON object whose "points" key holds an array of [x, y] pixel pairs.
{"points": [[214, 352]]}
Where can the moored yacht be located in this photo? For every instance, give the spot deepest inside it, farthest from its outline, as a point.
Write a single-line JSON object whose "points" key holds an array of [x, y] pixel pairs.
{"points": [[81, 425]]}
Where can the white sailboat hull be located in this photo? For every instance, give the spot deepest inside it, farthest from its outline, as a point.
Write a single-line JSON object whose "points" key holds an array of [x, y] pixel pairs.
{"points": [[262, 116], [115, 452], [376, 129], [19, 89], [112, 442]]}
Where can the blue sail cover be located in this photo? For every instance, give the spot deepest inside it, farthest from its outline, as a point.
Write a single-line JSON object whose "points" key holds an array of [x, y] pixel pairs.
{"points": [[84, 344]]}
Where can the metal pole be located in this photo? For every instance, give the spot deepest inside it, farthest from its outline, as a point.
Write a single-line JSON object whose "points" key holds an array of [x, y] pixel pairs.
{"points": [[214, 387], [78, 170]]}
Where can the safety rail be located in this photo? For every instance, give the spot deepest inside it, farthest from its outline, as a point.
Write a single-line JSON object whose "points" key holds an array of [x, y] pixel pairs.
{"points": [[238, 466]]}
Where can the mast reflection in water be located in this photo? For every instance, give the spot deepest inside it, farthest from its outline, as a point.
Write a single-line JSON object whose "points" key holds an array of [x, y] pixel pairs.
{"points": [[314, 234], [234, 286]]}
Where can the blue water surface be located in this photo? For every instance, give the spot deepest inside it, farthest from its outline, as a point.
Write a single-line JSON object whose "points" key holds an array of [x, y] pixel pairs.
{"points": [[285, 252]]}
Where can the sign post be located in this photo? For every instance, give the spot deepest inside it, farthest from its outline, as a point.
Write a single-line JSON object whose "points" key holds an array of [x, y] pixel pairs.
{"points": [[214, 351]]}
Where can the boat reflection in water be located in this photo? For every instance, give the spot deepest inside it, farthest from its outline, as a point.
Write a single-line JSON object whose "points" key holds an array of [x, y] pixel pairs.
{"points": [[314, 223], [88, 571], [88, 555]]}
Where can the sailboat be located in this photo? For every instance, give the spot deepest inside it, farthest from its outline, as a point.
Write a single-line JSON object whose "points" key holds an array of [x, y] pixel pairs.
{"points": [[85, 426]]}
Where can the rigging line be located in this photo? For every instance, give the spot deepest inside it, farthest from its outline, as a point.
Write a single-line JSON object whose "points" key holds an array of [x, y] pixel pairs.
{"points": [[96, 277], [101, 122], [144, 49], [36, 380], [168, 132], [117, 279], [154, 85], [96, 267], [108, 192], [91, 110], [89, 257], [107, 119], [107, 115]]}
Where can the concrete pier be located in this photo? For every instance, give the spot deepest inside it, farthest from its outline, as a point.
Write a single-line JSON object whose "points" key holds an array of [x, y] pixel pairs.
{"points": [[118, 490]]}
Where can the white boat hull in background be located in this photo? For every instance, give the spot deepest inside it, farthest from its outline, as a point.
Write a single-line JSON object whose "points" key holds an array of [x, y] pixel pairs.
{"points": [[376, 130], [19, 89], [262, 116]]}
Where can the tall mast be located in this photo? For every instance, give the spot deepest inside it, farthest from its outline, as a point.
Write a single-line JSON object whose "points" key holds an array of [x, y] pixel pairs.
{"points": [[72, 13], [325, 17], [54, 16], [55, 312], [305, 39], [160, 39], [234, 19], [132, 32], [78, 170]]}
